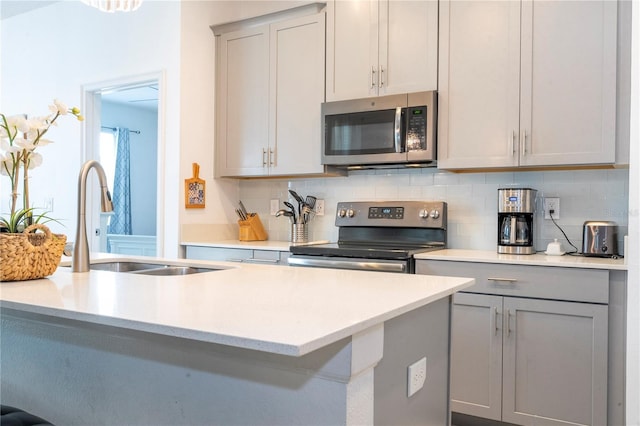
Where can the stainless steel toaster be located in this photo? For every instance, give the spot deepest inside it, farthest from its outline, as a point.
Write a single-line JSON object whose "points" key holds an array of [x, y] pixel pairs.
{"points": [[600, 238]]}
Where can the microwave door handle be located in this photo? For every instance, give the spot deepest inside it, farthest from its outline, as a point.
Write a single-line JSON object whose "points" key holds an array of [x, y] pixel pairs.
{"points": [[397, 130]]}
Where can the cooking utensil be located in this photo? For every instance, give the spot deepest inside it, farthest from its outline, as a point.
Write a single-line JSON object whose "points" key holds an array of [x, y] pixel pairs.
{"points": [[306, 213], [285, 213], [311, 201], [243, 209], [241, 215], [293, 209], [295, 195]]}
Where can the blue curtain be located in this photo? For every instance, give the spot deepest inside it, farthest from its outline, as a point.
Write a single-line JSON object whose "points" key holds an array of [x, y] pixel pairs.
{"points": [[121, 195]]}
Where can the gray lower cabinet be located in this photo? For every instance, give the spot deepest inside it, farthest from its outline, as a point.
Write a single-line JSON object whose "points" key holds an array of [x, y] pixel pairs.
{"points": [[518, 355], [267, 257]]}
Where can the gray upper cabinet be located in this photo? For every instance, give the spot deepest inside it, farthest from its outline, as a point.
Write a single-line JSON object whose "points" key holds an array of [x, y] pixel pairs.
{"points": [[269, 91], [381, 47], [530, 83]]}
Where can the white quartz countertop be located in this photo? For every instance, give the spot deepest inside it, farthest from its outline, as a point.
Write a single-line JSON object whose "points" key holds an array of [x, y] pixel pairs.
{"points": [[278, 309], [252, 245], [540, 259]]}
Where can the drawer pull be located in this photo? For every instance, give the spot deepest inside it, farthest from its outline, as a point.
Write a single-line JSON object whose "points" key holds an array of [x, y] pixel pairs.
{"points": [[503, 280], [258, 260]]}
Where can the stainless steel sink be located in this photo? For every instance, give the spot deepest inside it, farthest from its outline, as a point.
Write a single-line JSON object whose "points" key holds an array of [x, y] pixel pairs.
{"points": [[124, 266], [175, 270], [143, 268]]}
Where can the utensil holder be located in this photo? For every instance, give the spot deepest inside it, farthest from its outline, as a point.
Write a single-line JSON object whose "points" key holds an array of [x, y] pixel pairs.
{"points": [[251, 229], [299, 233]]}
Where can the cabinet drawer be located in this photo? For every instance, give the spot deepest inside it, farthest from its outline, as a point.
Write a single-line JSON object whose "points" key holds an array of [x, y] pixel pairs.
{"points": [[267, 257], [572, 284], [215, 253]]}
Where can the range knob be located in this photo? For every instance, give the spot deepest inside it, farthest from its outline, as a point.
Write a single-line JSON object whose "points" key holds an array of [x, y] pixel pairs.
{"points": [[434, 214], [342, 213], [351, 213], [424, 213]]}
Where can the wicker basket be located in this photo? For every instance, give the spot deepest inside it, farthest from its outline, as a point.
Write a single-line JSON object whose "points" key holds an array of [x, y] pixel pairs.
{"points": [[30, 255]]}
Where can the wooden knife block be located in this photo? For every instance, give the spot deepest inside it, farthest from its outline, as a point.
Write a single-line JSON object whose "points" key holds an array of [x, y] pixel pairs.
{"points": [[251, 229]]}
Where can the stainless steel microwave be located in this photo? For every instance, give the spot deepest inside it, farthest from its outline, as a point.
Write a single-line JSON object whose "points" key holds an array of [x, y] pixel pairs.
{"points": [[384, 131]]}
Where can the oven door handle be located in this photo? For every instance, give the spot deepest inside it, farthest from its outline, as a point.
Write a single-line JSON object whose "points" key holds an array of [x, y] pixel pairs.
{"points": [[360, 265]]}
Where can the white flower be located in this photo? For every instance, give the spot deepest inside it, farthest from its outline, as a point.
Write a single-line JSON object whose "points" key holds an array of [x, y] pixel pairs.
{"points": [[59, 107], [6, 147], [15, 123], [6, 165], [25, 144], [35, 159]]}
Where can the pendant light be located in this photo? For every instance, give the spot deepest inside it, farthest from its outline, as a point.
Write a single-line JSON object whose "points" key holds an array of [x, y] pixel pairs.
{"points": [[114, 5]]}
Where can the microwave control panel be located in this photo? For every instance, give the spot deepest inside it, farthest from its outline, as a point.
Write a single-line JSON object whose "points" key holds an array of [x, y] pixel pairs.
{"points": [[416, 128]]}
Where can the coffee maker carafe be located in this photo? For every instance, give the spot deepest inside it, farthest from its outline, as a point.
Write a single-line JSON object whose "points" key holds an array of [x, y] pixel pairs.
{"points": [[516, 207]]}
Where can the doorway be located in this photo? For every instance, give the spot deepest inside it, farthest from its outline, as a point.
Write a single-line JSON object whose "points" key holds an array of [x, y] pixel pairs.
{"points": [[123, 134]]}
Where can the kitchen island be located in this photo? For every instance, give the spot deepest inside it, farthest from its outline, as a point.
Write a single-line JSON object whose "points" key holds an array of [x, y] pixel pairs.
{"points": [[245, 344]]}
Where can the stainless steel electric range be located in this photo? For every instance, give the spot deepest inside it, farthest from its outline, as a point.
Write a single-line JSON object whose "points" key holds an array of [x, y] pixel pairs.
{"points": [[379, 236]]}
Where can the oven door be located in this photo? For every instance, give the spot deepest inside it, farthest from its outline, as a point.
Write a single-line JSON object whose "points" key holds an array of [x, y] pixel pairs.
{"points": [[357, 264]]}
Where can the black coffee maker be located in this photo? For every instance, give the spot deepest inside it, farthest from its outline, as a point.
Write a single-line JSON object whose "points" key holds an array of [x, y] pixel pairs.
{"points": [[516, 208]]}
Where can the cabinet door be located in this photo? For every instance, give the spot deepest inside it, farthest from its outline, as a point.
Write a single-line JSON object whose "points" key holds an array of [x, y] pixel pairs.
{"points": [[352, 49], [568, 82], [408, 46], [243, 95], [296, 94], [476, 355], [555, 363], [479, 84]]}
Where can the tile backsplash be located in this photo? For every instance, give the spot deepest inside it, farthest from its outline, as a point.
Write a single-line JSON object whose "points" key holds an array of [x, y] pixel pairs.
{"points": [[471, 198]]}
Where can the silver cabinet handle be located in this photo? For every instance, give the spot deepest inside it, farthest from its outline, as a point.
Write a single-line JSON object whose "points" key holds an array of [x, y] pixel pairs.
{"points": [[502, 280], [508, 322], [257, 260], [271, 156], [373, 77], [264, 157], [524, 143], [495, 319], [381, 77], [397, 128], [512, 142]]}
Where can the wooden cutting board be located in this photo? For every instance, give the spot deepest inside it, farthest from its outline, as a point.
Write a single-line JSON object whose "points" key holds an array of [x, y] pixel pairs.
{"points": [[194, 190]]}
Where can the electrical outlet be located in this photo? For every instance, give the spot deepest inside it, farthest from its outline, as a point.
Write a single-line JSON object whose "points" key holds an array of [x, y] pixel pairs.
{"points": [[319, 208], [551, 203], [274, 207], [417, 374]]}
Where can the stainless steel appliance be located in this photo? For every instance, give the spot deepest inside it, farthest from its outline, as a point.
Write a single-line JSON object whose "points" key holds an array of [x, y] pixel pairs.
{"points": [[516, 209], [600, 239], [379, 236], [385, 131]]}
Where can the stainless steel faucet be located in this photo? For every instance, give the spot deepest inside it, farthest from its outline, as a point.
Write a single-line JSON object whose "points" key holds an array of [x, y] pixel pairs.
{"points": [[80, 260]]}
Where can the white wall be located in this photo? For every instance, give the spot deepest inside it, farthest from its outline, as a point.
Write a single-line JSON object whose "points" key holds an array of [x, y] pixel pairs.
{"points": [[144, 153], [197, 100], [51, 52]]}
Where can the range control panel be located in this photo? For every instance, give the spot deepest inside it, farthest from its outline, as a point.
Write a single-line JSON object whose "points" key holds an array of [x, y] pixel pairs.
{"points": [[406, 214]]}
